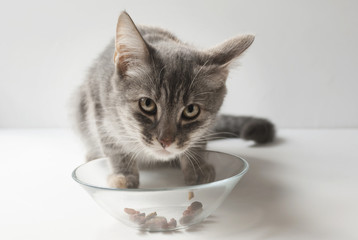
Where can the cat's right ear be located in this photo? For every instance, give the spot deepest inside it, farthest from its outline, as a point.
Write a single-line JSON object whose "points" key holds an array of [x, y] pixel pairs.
{"points": [[228, 51], [130, 47]]}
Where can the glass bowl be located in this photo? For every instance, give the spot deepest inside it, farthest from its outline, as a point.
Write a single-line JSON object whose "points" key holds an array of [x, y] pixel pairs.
{"points": [[162, 202]]}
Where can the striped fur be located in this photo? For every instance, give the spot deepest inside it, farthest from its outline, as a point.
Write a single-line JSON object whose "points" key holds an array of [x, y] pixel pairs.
{"points": [[147, 62]]}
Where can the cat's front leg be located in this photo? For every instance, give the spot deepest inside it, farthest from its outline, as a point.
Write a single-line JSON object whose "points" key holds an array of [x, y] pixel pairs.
{"points": [[125, 171], [195, 169]]}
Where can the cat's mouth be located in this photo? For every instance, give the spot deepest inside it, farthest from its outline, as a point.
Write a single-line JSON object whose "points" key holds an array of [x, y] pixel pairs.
{"points": [[157, 151], [164, 154]]}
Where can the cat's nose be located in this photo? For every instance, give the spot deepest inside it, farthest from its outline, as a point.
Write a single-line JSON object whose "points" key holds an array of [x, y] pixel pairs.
{"points": [[165, 142]]}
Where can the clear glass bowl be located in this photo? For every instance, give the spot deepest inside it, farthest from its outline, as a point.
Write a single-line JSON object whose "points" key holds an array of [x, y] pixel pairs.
{"points": [[162, 202]]}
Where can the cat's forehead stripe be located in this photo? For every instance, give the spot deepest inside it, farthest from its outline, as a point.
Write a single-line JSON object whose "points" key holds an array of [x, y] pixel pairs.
{"points": [[175, 77]]}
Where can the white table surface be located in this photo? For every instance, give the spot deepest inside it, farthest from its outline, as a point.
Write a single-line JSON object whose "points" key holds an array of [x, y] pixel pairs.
{"points": [[303, 186]]}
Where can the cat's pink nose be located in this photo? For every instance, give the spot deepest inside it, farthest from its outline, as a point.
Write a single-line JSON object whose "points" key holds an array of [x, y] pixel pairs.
{"points": [[165, 142]]}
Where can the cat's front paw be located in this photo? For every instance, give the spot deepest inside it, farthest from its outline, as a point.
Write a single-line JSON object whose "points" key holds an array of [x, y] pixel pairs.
{"points": [[259, 130], [204, 173], [123, 181]]}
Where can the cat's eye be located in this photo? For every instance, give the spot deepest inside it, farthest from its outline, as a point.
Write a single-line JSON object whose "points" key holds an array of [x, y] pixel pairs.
{"points": [[147, 105], [191, 111]]}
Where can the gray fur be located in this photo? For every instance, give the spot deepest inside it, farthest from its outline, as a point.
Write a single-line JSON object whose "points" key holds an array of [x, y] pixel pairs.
{"points": [[258, 129], [153, 63]]}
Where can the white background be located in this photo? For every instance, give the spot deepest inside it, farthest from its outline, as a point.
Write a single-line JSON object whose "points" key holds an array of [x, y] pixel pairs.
{"points": [[300, 72]]}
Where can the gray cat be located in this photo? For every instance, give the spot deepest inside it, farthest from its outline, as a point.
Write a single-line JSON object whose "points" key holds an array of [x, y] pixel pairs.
{"points": [[151, 98]]}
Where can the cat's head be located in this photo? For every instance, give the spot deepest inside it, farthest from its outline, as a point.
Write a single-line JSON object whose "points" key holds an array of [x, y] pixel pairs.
{"points": [[168, 92]]}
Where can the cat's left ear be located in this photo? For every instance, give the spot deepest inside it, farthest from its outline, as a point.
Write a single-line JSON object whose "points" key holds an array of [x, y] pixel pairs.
{"points": [[130, 48], [228, 51]]}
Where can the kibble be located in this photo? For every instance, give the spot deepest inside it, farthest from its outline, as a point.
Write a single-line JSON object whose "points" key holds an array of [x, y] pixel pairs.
{"points": [[138, 218], [191, 212], [190, 195], [186, 212], [172, 223], [130, 211], [151, 221], [154, 222], [151, 215], [195, 206]]}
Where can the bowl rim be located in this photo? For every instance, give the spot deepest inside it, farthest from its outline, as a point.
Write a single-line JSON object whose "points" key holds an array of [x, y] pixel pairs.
{"points": [[189, 187]]}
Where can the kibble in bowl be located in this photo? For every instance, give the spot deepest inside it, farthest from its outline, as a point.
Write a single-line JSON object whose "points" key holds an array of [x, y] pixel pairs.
{"points": [[162, 202]]}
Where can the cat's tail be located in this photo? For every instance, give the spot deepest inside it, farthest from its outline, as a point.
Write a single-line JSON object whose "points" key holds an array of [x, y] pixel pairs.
{"points": [[249, 128]]}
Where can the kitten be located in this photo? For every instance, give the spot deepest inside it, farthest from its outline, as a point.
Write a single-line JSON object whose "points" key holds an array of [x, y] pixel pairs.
{"points": [[149, 97]]}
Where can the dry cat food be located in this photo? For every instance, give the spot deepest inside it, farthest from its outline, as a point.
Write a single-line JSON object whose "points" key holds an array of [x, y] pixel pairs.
{"points": [[190, 195], [154, 222], [130, 211], [150, 221], [191, 212]]}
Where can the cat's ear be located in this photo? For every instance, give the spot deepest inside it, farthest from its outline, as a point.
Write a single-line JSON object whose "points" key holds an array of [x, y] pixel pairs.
{"points": [[130, 47], [226, 52]]}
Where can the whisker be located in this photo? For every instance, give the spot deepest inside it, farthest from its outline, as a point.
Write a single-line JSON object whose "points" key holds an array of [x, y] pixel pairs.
{"points": [[194, 158]]}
